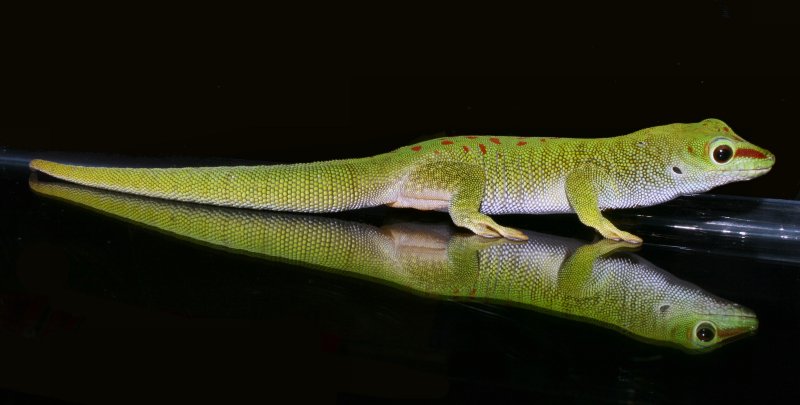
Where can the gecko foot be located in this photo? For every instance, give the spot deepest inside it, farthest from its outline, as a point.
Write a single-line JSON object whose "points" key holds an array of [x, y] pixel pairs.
{"points": [[492, 230], [617, 234]]}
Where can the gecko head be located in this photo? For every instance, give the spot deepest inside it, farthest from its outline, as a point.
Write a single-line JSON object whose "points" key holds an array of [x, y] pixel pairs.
{"points": [[711, 154], [709, 326], [670, 311]]}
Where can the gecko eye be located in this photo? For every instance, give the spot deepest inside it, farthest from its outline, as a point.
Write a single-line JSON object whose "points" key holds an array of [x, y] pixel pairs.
{"points": [[705, 332], [722, 154]]}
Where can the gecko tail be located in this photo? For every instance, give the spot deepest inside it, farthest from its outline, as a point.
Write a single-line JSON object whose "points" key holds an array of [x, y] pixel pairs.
{"points": [[304, 187], [37, 164]]}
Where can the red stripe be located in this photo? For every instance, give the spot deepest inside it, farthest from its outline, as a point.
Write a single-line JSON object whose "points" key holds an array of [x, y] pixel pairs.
{"points": [[416, 148], [750, 153], [495, 140], [483, 148], [447, 142]]}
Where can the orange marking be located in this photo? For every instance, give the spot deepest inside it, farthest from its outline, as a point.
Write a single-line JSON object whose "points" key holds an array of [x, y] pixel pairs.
{"points": [[416, 148], [725, 129], [520, 143], [436, 152], [471, 137], [466, 148], [542, 140], [473, 292], [483, 148], [447, 142], [495, 141], [691, 149], [750, 153]]}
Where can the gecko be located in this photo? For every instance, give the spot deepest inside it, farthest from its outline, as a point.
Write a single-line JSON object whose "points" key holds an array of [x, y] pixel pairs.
{"points": [[470, 177], [601, 283]]}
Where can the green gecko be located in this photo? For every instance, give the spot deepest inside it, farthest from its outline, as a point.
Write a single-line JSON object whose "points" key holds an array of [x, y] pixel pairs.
{"points": [[470, 177], [596, 283]]}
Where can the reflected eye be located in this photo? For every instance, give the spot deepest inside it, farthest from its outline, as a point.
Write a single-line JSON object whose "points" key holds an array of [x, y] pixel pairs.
{"points": [[722, 153], [705, 332]]}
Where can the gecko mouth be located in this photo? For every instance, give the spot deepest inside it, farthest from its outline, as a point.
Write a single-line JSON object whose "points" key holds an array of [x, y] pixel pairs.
{"points": [[763, 169], [746, 171]]}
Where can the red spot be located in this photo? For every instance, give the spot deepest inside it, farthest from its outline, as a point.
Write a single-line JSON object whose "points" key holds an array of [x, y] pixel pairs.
{"points": [[691, 149], [750, 153], [495, 141], [416, 148], [471, 137], [725, 129], [447, 142], [466, 148], [483, 148], [542, 140], [520, 143]]}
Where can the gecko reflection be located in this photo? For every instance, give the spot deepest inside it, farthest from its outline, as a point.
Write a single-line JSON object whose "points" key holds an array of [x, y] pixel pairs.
{"points": [[596, 283]]}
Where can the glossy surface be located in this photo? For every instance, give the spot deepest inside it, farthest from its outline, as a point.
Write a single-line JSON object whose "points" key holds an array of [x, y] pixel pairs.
{"points": [[593, 283], [94, 304]]}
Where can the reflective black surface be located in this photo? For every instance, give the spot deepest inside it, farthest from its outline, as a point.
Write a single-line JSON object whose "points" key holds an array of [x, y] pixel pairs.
{"points": [[94, 309]]}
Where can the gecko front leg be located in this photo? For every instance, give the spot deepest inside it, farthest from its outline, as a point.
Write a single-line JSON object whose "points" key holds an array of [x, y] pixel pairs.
{"points": [[583, 186]]}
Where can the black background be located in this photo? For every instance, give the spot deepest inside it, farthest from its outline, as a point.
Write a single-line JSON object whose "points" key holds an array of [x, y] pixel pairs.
{"points": [[298, 119], [290, 93]]}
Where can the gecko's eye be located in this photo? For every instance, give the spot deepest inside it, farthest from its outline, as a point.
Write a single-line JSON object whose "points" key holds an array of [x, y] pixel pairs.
{"points": [[722, 154], [705, 332]]}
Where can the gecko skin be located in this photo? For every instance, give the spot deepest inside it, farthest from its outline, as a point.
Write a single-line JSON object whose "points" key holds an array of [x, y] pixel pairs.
{"points": [[469, 177], [596, 283]]}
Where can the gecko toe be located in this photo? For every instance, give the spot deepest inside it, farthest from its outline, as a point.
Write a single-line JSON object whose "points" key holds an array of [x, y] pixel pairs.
{"points": [[513, 234], [622, 236]]}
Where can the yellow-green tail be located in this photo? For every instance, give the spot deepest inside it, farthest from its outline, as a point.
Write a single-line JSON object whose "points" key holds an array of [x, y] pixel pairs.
{"points": [[307, 187]]}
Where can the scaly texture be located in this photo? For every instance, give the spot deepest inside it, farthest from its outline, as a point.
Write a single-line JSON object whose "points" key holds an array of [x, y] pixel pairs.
{"points": [[592, 283], [470, 177]]}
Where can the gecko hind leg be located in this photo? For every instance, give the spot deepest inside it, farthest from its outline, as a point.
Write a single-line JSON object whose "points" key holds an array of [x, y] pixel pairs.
{"points": [[464, 184]]}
